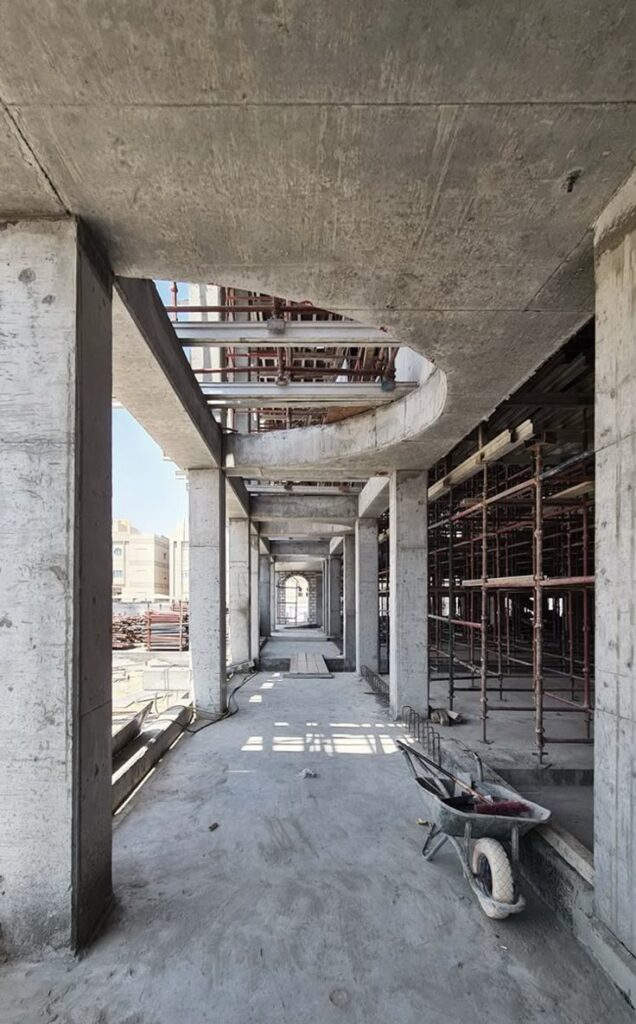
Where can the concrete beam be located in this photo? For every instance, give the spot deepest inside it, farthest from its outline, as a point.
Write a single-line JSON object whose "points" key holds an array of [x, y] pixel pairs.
{"points": [[283, 529], [336, 545], [304, 334], [153, 379], [311, 489], [300, 548], [334, 508], [306, 564], [273, 396], [373, 499]]}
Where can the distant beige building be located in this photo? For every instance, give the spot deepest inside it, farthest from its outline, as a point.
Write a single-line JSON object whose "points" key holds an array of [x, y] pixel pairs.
{"points": [[140, 564], [180, 563]]}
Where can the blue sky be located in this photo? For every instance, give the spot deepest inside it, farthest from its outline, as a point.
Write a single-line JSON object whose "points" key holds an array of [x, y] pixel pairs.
{"points": [[146, 489]]}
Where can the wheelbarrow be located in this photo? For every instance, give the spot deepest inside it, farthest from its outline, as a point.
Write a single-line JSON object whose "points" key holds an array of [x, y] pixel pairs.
{"points": [[477, 838]]}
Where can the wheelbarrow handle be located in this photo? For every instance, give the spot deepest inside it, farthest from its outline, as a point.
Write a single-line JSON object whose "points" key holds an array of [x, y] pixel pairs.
{"points": [[480, 797]]}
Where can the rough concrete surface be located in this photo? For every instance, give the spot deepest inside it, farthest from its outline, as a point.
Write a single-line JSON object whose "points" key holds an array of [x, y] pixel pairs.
{"points": [[435, 169], [310, 902], [54, 637]]}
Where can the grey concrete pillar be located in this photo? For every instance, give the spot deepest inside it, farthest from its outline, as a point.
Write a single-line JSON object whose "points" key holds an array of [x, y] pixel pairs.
{"points": [[239, 590], [255, 624], [265, 595], [367, 608], [615, 426], [273, 606], [319, 599], [335, 594], [56, 572], [206, 491], [408, 592], [349, 602]]}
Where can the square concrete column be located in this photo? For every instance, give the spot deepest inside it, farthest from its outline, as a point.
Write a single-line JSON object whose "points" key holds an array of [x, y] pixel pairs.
{"points": [[349, 602], [367, 605], [265, 595], [408, 592], [206, 491], [335, 593], [615, 442], [239, 590], [56, 573], [319, 577], [255, 625]]}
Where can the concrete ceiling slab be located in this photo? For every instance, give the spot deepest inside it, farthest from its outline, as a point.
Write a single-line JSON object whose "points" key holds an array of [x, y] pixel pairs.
{"points": [[435, 168], [24, 188], [232, 52]]}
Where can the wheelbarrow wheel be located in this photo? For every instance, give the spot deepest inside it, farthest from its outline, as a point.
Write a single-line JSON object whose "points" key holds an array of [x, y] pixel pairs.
{"points": [[493, 872]]}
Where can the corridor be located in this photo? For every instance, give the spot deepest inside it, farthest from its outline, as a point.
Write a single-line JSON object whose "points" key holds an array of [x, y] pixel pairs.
{"points": [[309, 902]]}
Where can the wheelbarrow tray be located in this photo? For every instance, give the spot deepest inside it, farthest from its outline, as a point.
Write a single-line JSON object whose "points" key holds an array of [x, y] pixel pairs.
{"points": [[453, 821]]}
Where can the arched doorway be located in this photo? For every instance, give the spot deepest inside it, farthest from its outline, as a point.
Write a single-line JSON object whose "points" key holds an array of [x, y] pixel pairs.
{"points": [[292, 606]]}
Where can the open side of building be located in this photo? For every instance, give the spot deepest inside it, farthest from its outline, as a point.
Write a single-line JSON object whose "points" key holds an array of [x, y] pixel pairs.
{"points": [[405, 408]]}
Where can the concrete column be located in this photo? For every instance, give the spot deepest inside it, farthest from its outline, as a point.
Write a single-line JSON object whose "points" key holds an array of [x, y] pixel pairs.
{"points": [[367, 594], [615, 442], [349, 602], [255, 625], [239, 590], [206, 491], [335, 592], [408, 592], [319, 599], [56, 572], [265, 595], [272, 594]]}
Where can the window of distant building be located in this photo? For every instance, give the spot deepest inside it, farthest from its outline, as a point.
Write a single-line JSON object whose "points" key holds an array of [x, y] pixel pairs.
{"points": [[118, 574], [118, 552]]}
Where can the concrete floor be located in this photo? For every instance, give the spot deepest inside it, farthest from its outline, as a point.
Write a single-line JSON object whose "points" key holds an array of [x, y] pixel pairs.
{"points": [[511, 733], [310, 902], [283, 643]]}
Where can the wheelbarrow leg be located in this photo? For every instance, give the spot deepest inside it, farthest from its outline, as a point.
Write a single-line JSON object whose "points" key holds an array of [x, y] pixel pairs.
{"points": [[429, 851]]}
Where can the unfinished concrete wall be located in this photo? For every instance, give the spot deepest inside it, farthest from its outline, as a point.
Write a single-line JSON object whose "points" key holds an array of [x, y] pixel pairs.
{"points": [[55, 611], [206, 493], [408, 593], [615, 424]]}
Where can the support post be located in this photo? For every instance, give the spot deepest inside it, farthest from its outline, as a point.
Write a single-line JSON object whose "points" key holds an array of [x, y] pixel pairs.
{"points": [[319, 577], [255, 623], [408, 592], [335, 591], [265, 595], [239, 590], [349, 614], [206, 492], [367, 610], [56, 570], [615, 442]]}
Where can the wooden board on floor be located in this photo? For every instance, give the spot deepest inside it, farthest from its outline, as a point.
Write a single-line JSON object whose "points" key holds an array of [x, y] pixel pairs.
{"points": [[307, 665]]}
